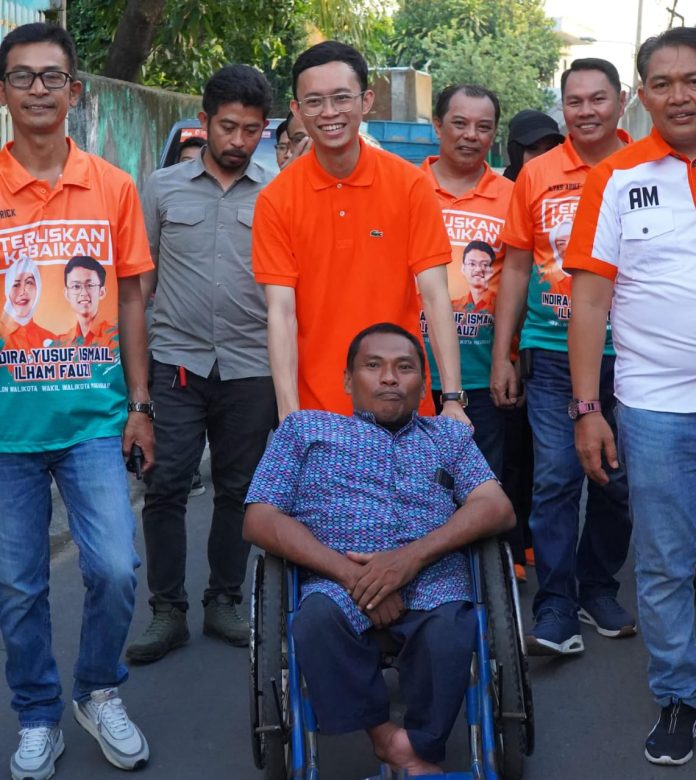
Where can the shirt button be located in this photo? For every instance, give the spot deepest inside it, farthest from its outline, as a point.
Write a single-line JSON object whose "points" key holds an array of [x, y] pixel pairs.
{"points": [[341, 213], [339, 185], [42, 191], [645, 230]]}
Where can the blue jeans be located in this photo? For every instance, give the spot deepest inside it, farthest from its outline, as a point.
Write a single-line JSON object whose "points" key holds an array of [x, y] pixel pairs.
{"points": [[91, 478], [558, 480], [489, 426], [659, 450]]}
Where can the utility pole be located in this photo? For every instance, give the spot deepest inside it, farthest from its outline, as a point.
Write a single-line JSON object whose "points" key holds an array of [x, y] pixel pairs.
{"points": [[639, 36]]}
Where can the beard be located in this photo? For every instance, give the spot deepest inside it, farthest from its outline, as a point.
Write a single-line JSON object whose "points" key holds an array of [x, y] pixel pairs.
{"points": [[229, 161]]}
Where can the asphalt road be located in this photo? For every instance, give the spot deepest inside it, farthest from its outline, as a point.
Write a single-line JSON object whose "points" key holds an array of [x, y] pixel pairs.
{"points": [[592, 712]]}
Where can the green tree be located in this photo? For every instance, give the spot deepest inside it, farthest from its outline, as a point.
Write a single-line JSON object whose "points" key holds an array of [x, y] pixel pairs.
{"points": [[507, 45], [178, 44]]}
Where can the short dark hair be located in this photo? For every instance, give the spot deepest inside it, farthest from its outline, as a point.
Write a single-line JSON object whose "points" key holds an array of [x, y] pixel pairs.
{"points": [[193, 140], [237, 84], [470, 90], [39, 32], [481, 246], [82, 261], [593, 63], [677, 36], [384, 327], [330, 51], [282, 128]]}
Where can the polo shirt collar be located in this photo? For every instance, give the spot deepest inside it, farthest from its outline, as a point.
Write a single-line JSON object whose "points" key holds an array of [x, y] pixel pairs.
{"points": [[662, 148], [486, 187], [572, 160], [254, 170], [363, 175], [75, 172]]}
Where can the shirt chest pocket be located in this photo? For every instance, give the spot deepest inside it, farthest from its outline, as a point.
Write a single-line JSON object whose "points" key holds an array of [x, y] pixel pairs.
{"points": [[245, 215], [648, 241], [180, 219]]}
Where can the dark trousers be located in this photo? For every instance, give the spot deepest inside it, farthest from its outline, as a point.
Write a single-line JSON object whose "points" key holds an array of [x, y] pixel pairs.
{"points": [[344, 679], [237, 416], [518, 478]]}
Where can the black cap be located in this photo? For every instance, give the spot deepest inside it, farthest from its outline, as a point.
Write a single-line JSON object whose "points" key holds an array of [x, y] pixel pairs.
{"points": [[529, 126]]}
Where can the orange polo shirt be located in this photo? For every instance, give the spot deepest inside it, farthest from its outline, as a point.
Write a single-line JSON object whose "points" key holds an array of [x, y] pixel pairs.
{"points": [[546, 194], [476, 215], [351, 249], [71, 393]]}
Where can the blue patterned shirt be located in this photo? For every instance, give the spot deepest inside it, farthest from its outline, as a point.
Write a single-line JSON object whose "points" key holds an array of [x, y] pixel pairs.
{"points": [[357, 486]]}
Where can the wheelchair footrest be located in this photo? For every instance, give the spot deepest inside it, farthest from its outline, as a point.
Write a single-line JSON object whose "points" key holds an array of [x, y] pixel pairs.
{"points": [[388, 774]]}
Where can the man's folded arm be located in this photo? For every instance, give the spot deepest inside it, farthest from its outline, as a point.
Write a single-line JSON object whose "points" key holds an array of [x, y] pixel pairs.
{"points": [[277, 533]]}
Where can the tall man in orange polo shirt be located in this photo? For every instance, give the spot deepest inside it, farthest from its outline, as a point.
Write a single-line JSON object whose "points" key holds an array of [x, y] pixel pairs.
{"points": [[546, 193], [338, 240], [474, 201], [64, 409]]}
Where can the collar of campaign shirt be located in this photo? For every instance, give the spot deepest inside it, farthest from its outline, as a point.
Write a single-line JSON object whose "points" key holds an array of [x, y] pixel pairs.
{"points": [[488, 186], [572, 160], [362, 176], [76, 170], [254, 170], [369, 417]]}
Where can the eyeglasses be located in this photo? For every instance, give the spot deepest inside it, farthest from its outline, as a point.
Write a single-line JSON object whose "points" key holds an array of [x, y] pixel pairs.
{"points": [[282, 148], [24, 79], [482, 265], [341, 102], [76, 287]]}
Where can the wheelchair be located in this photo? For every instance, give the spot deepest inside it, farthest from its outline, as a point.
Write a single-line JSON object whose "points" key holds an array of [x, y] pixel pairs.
{"points": [[499, 710]]}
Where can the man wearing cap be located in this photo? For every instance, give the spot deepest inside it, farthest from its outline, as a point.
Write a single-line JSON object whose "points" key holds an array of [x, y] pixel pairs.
{"points": [[546, 193], [530, 133]]}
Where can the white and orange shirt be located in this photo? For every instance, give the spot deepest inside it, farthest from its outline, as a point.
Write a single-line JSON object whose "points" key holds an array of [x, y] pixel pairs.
{"points": [[477, 215], [636, 225], [544, 201]]}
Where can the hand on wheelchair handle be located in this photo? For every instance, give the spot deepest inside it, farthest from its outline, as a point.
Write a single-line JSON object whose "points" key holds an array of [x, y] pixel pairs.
{"points": [[383, 573]]}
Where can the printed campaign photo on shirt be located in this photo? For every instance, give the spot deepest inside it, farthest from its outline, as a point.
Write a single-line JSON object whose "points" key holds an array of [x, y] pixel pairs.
{"points": [[58, 327]]}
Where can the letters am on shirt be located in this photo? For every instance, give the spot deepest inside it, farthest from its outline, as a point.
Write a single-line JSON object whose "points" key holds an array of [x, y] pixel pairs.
{"points": [[58, 327]]}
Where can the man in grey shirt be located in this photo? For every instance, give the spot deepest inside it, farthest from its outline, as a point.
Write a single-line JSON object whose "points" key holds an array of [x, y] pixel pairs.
{"points": [[210, 372]]}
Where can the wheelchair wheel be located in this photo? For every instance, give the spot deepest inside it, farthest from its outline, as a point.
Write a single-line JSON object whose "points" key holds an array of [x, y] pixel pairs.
{"points": [[511, 690], [268, 677]]}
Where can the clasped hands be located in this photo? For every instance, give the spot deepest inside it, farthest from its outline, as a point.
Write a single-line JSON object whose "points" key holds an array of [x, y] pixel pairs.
{"points": [[374, 582]]}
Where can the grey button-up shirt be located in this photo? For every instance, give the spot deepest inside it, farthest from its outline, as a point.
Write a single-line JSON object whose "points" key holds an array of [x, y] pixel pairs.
{"points": [[207, 306]]}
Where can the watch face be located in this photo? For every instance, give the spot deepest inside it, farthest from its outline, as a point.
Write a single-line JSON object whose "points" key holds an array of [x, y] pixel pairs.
{"points": [[573, 410]]}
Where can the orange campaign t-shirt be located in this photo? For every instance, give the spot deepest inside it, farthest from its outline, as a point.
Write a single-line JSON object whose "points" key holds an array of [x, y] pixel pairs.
{"points": [[477, 215], [350, 248], [544, 201], [71, 390]]}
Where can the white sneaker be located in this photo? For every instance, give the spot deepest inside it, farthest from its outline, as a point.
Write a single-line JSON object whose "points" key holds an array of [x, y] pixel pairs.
{"points": [[104, 716], [35, 759]]}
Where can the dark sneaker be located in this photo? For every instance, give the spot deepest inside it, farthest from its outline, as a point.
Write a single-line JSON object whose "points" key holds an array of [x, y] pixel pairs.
{"points": [[167, 630], [554, 634], [672, 739], [608, 617], [39, 748], [105, 718], [223, 620], [197, 486]]}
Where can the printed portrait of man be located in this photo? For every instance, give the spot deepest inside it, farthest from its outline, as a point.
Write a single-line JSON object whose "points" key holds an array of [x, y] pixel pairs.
{"points": [[559, 236], [85, 289], [477, 270]]}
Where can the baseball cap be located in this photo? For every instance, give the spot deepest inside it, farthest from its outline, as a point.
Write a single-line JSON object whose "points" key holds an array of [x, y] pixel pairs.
{"points": [[529, 126]]}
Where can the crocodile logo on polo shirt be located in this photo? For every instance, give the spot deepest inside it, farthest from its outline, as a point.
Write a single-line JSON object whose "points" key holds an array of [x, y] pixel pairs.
{"points": [[376, 234]]}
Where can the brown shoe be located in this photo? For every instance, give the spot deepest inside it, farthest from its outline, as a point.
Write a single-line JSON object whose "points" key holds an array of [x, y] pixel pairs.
{"points": [[223, 620], [168, 629]]}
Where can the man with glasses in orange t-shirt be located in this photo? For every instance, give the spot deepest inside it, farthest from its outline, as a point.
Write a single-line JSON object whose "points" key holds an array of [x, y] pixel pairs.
{"points": [[338, 239]]}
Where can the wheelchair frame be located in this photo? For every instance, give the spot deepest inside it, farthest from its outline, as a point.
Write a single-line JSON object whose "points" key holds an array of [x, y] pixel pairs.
{"points": [[499, 710]]}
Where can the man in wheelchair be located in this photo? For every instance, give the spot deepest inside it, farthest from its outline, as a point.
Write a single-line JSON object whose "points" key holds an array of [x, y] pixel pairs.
{"points": [[375, 509]]}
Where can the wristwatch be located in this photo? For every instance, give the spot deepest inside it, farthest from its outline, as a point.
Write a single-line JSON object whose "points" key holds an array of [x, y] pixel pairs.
{"points": [[145, 407], [577, 408], [460, 397]]}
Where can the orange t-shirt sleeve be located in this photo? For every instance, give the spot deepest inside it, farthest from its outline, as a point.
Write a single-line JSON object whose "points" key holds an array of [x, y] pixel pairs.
{"points": [[518, 230], [428, 243], [272, 258], [594, 242], [132, 250]]}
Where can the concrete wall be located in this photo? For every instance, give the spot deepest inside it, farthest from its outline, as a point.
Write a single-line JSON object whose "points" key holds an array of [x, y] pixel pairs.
{"points": [[636, 120], [127, 124]]}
